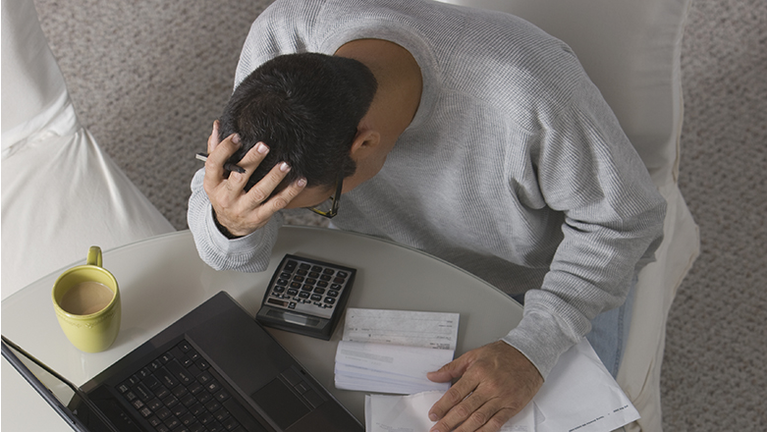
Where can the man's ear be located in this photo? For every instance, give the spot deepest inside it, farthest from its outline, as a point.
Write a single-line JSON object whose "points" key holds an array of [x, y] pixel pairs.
{"points": [[366, 141]]}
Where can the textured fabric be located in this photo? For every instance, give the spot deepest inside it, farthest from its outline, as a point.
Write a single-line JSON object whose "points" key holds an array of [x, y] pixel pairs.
{"points": [[514, 168], [61, 193], [631, 50]]}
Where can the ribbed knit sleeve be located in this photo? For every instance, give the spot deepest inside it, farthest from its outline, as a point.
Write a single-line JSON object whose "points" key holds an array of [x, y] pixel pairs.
{"points": [[248, 254]]}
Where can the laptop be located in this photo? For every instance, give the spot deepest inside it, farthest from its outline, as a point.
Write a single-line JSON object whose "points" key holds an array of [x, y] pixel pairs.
{"points": [[215, 369]]}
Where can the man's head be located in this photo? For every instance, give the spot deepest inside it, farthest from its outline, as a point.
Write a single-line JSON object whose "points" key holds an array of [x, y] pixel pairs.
{"points": [[306, 108]]}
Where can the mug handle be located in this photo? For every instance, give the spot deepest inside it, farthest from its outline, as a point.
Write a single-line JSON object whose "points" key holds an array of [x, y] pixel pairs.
{"points": [[94, 256]]}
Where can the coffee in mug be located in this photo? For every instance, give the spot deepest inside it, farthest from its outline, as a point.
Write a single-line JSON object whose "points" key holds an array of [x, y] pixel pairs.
{"points": [[86, 299]]}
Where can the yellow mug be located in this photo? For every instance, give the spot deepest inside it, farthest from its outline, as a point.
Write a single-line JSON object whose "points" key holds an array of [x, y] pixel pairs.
{"points": [[87, 303]]}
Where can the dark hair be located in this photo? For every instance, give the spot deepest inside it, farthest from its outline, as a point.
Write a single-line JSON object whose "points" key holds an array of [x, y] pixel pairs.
{"points": [[306, 108]]}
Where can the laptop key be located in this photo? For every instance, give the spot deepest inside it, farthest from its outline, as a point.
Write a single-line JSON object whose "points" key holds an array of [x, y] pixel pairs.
{"points": [[154, 404], [230, 423], [152, 382], [221, 395], [188, 401], [154, 421], [143, 392], [179, 371], [166, 378], [187, 419], [163, 413], [172, 422]]}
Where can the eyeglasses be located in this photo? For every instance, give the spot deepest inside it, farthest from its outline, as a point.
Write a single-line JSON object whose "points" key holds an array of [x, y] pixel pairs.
{"points": [[330, 207]]}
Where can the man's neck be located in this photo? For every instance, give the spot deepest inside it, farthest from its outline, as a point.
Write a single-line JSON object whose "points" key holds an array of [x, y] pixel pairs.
{"points": [[399, 83]]}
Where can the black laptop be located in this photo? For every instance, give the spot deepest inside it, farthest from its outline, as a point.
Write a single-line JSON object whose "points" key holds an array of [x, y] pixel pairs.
{"points": [[215, 369]]}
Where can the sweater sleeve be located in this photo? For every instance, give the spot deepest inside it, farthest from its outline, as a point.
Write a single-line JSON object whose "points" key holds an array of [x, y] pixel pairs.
{"points": [[248, 254], [613, 222]]}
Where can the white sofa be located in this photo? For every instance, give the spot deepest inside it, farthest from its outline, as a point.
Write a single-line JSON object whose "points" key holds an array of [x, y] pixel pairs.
{"points": [[631, 51], [61, 193]]}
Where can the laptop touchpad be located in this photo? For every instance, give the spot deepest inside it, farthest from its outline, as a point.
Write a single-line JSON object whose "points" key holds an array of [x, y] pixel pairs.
{"points": [[279, 403]]}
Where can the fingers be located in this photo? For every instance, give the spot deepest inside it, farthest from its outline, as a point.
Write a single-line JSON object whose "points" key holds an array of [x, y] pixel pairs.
{"points": [[448, 372], [213, 139], [281, 199], [480, 410], [457, 392], [261, 191], [238, 211], [456, 405], [222, 151], [496, 382], [249, 163], [249, 212]]}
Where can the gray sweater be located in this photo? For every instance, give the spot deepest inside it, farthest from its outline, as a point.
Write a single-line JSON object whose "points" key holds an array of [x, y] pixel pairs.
{"points": [[514, 167]]}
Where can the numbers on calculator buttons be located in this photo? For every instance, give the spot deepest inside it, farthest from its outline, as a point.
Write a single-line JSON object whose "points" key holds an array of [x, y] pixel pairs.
{"points": [[304, 286]]}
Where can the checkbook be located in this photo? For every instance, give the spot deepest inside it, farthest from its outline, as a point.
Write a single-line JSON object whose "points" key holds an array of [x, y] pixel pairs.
{"points": [[391, 351]]}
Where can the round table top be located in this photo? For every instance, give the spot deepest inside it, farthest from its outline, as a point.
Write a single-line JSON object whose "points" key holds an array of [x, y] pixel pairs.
{"points": [[162, 278]]}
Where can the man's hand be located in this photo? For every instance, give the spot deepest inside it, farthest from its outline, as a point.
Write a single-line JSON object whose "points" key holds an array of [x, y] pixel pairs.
{"points": [[495, 382], [240, 212]]}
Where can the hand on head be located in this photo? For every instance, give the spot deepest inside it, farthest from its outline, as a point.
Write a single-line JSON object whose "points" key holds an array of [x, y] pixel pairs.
{"points": [[236, 210], [495, 382]]}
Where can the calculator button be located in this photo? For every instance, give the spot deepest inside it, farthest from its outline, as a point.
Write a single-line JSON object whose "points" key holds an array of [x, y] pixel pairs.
{"points": [[338, 280], [292, 292], [316, 297], [295, 285], [320, 290], [328, 271], [282, 282], [322, 284], [342, 274], [305, 266], [298, 278], [332, 293], [290, 265], [314, 274], [329, 300]]}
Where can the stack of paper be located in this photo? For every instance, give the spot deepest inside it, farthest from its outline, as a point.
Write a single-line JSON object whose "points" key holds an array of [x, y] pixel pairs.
{"points": [[579, 395], [388, 351]]}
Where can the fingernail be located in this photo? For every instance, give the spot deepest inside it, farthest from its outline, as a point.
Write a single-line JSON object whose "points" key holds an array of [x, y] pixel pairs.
{"points": [[262, 148], [284, 167], [301, 182], [433, 417], [236, 139]]}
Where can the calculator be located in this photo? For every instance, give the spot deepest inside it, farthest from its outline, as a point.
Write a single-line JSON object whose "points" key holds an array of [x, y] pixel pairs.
{"points": [[306, 296]]}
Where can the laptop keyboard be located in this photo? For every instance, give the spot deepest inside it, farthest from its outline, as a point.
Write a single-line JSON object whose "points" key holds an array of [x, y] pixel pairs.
{"points": [[176, 392]]}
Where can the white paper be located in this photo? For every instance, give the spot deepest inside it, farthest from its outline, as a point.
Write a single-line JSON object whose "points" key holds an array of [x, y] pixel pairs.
{"points": [[411, 414], [579, 395], [388, 368], [391, 351], [410, 328]]}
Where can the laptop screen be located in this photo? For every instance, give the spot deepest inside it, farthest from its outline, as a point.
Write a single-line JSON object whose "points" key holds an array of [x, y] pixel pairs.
{"points": [[64, 397]]}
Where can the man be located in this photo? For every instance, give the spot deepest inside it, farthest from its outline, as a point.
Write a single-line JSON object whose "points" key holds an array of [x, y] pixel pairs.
{"points": [[483, 143]]}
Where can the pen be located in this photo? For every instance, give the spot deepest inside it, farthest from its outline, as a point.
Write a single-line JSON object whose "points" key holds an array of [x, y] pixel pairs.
{"points": [[227, 166]]}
